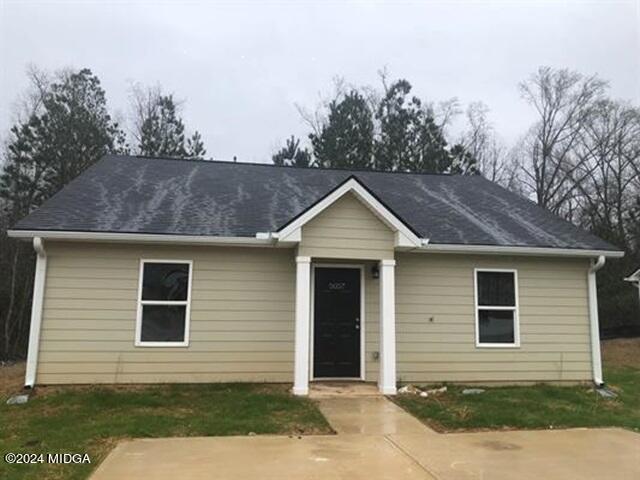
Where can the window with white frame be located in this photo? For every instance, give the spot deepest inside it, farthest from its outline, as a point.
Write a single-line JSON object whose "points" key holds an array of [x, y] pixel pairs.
{"points": [[164, 302], [496, 308]]}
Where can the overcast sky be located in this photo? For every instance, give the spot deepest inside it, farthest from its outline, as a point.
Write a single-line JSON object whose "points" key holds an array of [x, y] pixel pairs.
{"points": [[242, 66]]}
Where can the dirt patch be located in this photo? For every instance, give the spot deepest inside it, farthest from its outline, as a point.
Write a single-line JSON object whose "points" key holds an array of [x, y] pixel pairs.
{"points": [[11, 378], [621, 352]]}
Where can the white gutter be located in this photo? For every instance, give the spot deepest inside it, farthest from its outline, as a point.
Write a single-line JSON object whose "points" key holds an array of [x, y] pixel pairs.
{"points": [[36, 312], [596, 359], [265, 239], [501, 250], [141, 238]]}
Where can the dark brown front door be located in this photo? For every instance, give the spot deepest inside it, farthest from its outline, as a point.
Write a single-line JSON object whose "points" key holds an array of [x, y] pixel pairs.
{"points": [[336, 329]]}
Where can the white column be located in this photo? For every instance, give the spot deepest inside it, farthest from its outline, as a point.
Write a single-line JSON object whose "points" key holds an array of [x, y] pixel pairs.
{"points": [[387, 382], [303, 310]]}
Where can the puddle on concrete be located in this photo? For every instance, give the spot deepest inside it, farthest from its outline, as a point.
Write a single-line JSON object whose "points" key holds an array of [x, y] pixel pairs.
{"points": [[497, 445]]}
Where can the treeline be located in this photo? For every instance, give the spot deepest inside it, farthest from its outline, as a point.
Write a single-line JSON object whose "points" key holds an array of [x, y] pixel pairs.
{"points": [[580, 158], [63, 125]]}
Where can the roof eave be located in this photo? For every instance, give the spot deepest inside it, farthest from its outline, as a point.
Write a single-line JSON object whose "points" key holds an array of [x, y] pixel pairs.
{"points": [[518, 250], [152, 238], [265, 240]]}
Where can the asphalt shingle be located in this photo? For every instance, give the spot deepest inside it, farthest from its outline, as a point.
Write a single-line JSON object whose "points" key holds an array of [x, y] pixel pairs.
{"points": [[212, 198]]}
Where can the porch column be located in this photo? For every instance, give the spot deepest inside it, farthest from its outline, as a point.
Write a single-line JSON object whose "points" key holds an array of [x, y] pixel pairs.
{"points": [[303, 309], [387, 381]]}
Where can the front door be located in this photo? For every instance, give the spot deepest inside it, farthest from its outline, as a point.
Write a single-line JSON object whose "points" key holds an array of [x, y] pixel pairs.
{"points": [[336, 327]]}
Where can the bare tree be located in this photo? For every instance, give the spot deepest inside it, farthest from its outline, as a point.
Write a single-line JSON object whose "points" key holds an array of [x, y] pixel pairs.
{"points": [[562, 100], [482, 142], [607, 179]]}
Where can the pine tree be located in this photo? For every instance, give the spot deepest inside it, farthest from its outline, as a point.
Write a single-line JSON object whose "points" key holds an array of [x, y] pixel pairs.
{"points": [[158, 128], [195, 146], [69, 131], [291, 154], [346, 139], [410, 139]]}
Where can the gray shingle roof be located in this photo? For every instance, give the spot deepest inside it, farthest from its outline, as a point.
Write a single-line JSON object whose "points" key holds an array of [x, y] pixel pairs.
{"points": [[191, 197]]}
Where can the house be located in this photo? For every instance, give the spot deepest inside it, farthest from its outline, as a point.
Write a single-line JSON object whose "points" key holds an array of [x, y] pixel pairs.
{"points": [[165, 270], [634, 279]]}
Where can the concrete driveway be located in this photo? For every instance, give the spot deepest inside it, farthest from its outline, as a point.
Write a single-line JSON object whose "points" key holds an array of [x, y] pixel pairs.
{"points": [[378, 440]]}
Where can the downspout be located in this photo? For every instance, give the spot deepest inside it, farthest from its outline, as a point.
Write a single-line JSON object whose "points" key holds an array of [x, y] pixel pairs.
{"points": [[596, 359], [36, 312]]}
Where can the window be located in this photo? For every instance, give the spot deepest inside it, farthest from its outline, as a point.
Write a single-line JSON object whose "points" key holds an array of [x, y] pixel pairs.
{"points": [[497, 308], [164, 302]]}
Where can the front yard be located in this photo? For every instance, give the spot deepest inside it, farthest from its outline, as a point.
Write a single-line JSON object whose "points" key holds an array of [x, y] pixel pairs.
{"points": [[92, 419], [541, 406]]}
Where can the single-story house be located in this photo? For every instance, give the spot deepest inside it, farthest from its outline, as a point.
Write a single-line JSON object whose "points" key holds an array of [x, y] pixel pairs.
{"points": [[634, 279], [167, 270]]}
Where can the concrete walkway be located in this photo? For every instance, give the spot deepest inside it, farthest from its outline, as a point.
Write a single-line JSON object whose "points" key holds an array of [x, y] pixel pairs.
{"points": [[378, 440]]}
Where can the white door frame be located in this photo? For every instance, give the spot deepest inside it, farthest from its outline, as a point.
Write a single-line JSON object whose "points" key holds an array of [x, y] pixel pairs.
{"points": [[362, 269]]}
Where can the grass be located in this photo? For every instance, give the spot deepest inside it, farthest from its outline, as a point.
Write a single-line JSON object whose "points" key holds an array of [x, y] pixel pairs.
{"points": [[534, 407], [92, 420], [541, 406]]}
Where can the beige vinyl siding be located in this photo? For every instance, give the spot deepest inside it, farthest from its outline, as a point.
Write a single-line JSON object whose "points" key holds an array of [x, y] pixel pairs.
{"points": [[372, 324], [347, 230], [242, 316], [554, 321]]}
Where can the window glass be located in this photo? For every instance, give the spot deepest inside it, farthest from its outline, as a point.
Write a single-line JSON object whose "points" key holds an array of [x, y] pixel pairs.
{"points": [[165, 281], [163, 323], [496, 326], [164, 304], [496, 289]]}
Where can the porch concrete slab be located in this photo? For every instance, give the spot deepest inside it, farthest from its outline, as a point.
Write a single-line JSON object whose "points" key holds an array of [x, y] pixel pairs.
{"points": [[369, 415], [269, 458], [580, 454], [343, 389]]}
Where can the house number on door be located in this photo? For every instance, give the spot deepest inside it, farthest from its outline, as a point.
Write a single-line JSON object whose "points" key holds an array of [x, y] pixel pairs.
{"points": [[337, 285]]}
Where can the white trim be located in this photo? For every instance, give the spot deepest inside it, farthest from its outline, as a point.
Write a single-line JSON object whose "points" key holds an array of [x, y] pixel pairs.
{"points": [[266, 239], [301, 346], [594, 323], [36, 312], [143, 238], [140, 302], [506, 250], [387, 374], [404, 236], [362, 269], [634, 277], [515, 309]]}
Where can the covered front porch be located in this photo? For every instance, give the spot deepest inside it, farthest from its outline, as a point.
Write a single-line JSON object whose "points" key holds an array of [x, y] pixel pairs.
{"points": [[330, 321]]}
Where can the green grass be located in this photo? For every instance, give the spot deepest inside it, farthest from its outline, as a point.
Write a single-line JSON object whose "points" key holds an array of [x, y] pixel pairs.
{"points": [[91, 420], [539, 406]]}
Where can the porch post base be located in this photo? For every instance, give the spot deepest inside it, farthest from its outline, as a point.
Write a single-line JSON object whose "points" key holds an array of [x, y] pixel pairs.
{"points": [[388, 390], [301, 391]]}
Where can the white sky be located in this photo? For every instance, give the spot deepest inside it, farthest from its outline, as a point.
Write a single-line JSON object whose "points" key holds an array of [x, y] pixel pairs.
{"points": [[241, 66]]}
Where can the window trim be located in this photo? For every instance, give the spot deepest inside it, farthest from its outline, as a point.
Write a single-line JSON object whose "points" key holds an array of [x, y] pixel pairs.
{"points": [[515, 309], [187, 303]]}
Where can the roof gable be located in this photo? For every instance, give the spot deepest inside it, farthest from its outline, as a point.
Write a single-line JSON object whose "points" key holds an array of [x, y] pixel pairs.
{"points": [[634, 277], [404, 235]]}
